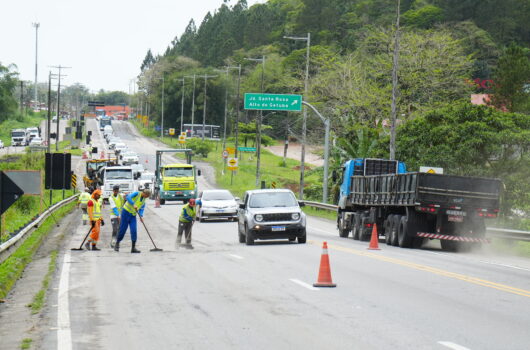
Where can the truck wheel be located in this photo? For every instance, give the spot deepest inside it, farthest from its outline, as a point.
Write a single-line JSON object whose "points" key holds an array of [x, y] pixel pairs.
{"points": [[388, 228], [365, 233], [450, 246], [249, 240], [343, 231], [404, 239], [356, 229], [394, 234]]}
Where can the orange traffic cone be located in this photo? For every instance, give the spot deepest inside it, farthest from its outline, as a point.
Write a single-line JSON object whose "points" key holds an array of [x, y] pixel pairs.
{"points": [[157, 201], [374, 241], [324, 274]]}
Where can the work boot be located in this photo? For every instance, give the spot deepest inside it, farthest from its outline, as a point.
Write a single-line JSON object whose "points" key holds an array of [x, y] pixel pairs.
{"points": [[94, 247], [133, 248], [117, 247], [87, 246]]}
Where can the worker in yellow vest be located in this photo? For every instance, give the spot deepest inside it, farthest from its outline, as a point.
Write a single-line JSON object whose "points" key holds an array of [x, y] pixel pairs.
{"points": [[82, 203], [116, 202], [186, 219], [134, 204], [96, 220]]}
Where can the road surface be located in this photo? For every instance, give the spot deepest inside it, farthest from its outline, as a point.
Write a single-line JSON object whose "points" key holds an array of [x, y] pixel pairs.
{"points": [[225, 295]]}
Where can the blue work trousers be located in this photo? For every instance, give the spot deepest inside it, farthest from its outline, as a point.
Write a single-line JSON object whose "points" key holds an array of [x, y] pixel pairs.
{"points": [[127, 220]]}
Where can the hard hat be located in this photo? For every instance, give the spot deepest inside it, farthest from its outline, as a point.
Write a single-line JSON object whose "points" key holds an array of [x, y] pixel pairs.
{"points": [[192, 202]]}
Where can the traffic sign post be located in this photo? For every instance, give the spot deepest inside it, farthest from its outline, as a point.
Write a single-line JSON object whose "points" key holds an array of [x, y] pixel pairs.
{"points": [[273, 102], [171, 131], [232, 164], [225, 154], [182, 139], [246, 149]]}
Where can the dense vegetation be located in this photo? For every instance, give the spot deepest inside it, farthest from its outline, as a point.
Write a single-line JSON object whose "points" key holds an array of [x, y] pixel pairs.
{"points": [[448, 50]]}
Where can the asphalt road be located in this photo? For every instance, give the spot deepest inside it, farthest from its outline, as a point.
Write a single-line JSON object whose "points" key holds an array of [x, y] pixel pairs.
{"points": [[225, 295]]}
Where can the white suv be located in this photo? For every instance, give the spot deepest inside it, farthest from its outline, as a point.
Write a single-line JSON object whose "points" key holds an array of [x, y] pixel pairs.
{"points": [[271, 214]]}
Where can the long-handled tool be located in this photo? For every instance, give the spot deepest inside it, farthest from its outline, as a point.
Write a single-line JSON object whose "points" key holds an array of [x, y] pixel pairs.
{"points": [[81, 246], [155, 249]]}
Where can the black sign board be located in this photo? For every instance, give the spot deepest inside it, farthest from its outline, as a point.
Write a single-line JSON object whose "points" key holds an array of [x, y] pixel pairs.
{"points": [[96, 104], [58, 171], [9, 192]]}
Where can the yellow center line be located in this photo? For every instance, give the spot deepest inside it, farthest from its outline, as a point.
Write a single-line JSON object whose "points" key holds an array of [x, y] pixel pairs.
{"points": [[469, 279]]}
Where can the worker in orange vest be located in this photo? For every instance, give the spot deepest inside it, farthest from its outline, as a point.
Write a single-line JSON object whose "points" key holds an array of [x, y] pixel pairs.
{"points": [[96, 220]]}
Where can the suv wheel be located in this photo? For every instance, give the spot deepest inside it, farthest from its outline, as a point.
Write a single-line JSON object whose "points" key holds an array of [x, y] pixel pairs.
{"points": [[303, 238], [249, 240]]}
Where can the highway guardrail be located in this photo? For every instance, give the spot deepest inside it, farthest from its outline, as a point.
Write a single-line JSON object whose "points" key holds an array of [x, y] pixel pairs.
{"points": [[497, 232], [6, 248]]}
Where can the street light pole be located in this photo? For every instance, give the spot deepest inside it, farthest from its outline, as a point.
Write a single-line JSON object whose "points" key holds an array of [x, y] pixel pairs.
{"points": [[307, 39], [204, 107], [258, 121], [58, 106], [237, 117], [36, 25], [192, 104], [395, 66], [182, 105], [162, 119]]}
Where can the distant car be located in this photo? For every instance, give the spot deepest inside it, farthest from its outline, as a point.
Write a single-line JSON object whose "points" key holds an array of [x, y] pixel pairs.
{"points": [[1, 144], [271, 214], [36, 141], [217, 204], [120, 147], [113, 142], [54, 119], [129, 157], [145, 180]]}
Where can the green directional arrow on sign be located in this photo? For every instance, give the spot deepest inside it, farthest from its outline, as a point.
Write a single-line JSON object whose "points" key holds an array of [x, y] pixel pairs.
{"points": [[273, 102]]}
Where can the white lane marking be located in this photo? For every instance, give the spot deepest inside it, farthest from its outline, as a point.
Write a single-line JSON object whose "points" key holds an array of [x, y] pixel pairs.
{"points": [[64, 332], [236, 256], [504, 265], [303, 284], [452, 345]]}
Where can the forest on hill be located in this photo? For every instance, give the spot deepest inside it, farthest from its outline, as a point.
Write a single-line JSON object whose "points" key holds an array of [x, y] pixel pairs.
{"points": [[449, 49]]}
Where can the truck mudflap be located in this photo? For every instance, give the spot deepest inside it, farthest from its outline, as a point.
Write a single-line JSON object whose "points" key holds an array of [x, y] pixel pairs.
{"points": [[452, 238]]}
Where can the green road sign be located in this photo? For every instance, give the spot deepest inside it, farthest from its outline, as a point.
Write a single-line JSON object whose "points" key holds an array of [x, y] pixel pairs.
{"points": [[273, 102], [246, 149]]}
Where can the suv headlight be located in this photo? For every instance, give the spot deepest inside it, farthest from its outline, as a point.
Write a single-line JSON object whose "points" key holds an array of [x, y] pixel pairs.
{"points": [[295, 216], [258, 217]]}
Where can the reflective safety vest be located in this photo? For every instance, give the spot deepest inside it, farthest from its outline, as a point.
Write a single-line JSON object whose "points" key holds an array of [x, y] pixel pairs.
{"points": [[84, 197], [138, 200], [118, 202], [96, 209], [190, 211]]}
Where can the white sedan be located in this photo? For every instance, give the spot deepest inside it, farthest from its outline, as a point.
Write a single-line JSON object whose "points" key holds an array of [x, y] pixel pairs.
{"points": [[217, 204], [36, 141], [129, 157]]}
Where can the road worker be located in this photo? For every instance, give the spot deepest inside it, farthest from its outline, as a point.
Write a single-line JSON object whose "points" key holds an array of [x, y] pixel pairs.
{"points": [[186, 219], [82, 203], [96, 220], [134, 204], [116, 202]]}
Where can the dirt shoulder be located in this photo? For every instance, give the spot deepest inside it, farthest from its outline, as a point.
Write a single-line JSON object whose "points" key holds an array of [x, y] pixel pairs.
{"points": [[294, 151]]}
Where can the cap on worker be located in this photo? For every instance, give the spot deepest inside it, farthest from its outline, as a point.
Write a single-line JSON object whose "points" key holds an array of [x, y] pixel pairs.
{"points": [[146, 191], [97, 191], [116, 188]]}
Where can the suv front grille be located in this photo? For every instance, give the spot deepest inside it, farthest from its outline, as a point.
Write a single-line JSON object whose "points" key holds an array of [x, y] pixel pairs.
{"points": [[277, 217]]}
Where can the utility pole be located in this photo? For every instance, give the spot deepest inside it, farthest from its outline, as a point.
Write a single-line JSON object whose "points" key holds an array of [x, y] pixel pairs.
{"points": [[237, 116], [162, 118], [48, 126], [36, 26], [307, 39], [204, 107], [395, 67], [182, 105], [192, 105], [21, 96], [258, 121], [59, 105]]}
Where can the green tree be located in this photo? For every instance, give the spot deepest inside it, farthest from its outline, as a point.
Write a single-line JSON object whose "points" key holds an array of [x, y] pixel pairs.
{"points": [[512, 79], [8, 82]]}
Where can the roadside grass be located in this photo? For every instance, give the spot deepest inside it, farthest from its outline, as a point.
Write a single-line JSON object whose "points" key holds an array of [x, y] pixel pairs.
{"points": [[321, 213], [519, 248], [19, 121], [13, 267], [26, 343], [39, 298], [27, 207]]}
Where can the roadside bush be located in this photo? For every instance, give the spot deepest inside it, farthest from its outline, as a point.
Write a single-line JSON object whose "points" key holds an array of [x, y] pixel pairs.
{"points": [[199, 147]]}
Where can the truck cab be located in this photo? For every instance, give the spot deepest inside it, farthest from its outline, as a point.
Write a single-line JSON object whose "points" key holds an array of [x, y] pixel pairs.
{"points": [[111, 176], [177, 182], [18, 137]]}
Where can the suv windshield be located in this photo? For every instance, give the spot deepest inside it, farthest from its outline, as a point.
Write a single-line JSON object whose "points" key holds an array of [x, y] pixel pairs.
{"points": [[119, 174], [272, 199], [217, 196], [178, 172]]}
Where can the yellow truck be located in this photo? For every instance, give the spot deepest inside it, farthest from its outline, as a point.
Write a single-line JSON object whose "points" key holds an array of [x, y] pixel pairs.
{"points": [[177, 181]]}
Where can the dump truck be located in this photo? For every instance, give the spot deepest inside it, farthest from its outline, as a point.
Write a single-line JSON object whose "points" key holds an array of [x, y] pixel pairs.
{"points": [[92, 168], [175, 181], [409, 207]]}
